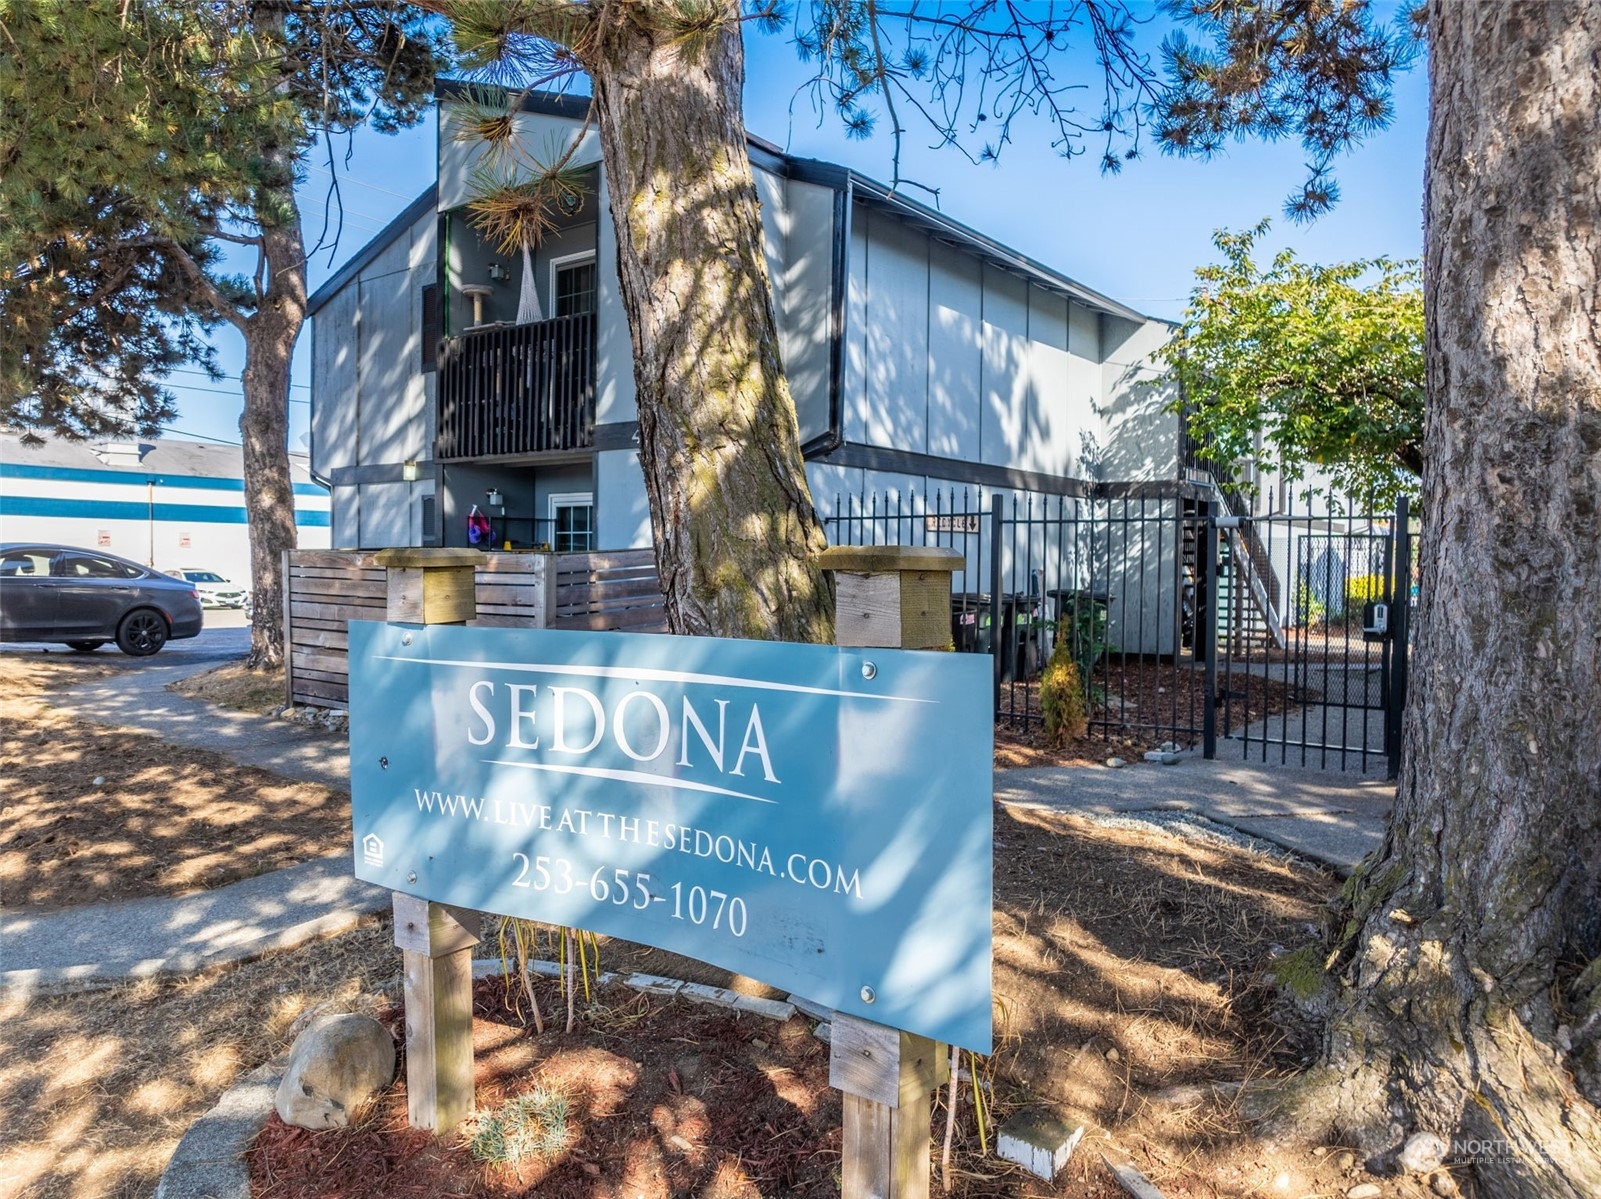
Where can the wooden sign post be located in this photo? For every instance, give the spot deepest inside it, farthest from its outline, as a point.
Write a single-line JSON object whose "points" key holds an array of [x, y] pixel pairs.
{"points": [[890, 597], [435, 586]]}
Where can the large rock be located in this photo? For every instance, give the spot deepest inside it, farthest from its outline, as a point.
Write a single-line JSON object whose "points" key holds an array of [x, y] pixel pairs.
{"points": [[335, 1066]]}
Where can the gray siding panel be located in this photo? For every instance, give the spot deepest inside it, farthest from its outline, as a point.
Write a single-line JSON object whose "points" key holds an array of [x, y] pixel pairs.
{"points": [[622, 511], [955, 355], [614, 347], [806, 315], [853, 416], [897, 336], [385, 515], [334, 340], [1056, 416], [1004, 386], [391, 350], [1141, 432]]}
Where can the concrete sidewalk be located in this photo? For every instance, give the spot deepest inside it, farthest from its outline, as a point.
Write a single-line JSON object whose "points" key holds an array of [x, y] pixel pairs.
{"points": [[1328, 818], [292, 751], [81, 948]]}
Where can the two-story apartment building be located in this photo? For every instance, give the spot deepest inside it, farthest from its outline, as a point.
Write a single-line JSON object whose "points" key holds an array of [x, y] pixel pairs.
{"points": [[920, 354]]}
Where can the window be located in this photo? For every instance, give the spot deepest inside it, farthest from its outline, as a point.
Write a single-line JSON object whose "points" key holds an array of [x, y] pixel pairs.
{"points": [[32, 564], [572, 519], [572, 284], [82, 566]]}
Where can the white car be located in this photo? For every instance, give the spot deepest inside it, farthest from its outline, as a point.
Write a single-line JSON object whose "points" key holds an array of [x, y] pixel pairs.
{"points": [[216, 591]]}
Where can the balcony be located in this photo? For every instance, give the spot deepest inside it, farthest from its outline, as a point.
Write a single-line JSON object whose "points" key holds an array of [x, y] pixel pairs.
{"points": [[518, 389]]}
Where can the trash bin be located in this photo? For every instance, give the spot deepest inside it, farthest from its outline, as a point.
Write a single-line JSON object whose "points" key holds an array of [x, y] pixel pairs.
{"points": [[972, 631]]}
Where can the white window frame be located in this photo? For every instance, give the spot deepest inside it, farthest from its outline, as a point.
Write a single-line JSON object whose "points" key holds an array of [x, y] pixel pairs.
{"points": [[564, 260], [572, 499]]}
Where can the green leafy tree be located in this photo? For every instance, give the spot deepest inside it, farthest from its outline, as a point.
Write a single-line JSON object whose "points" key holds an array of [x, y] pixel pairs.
{"points": [[183, 132], [1300, 367], [1470, 967]]}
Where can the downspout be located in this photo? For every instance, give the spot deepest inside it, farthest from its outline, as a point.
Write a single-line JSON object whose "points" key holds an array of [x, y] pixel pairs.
{"points": [[311, 447], [833, 437]]}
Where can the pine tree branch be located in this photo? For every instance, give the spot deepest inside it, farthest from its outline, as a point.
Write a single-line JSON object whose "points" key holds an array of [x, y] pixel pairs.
{"points": [[237, 238], [203, 282]]}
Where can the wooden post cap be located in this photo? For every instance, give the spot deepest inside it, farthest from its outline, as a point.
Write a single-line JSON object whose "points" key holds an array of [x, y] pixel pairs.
{"points": [[881, 559], [425, 557]]}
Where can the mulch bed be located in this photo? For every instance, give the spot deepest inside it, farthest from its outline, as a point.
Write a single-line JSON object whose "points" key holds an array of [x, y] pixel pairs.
{"points": [[1126, 963], [1139, 705], [667, 1098]]}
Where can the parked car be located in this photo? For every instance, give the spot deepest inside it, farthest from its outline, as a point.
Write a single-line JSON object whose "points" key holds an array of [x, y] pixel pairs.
{"points": [[215, 591], [86, 598]]}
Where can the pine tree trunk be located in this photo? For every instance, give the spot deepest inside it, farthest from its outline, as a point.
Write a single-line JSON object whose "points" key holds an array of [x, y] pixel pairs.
{"points": [[270, 335], [735, 531], [1474, 1001]]}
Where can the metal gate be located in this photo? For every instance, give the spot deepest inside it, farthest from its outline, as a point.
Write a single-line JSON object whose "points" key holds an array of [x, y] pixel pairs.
{"points": [[1312, 616], [1277, 638]]}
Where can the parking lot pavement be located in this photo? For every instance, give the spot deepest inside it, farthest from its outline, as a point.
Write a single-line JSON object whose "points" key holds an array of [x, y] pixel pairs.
{"points": [[226, 635]]}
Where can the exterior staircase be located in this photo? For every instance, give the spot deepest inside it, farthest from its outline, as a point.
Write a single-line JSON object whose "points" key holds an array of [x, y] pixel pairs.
{"points": [[1248, 589]]}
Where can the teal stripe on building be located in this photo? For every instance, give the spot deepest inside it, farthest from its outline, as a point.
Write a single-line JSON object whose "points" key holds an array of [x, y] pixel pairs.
{"points": [[131, 478], [12, 505]]}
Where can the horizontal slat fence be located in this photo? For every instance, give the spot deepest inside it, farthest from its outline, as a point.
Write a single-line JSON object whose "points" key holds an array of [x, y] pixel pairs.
{"points": [[328, 588]]}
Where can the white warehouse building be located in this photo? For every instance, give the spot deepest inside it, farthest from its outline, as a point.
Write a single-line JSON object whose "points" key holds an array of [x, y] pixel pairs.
{"points": [[168, 504]]}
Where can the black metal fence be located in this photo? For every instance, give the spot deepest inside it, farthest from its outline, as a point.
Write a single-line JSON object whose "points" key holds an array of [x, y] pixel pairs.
{"points": [[1191, 622]]}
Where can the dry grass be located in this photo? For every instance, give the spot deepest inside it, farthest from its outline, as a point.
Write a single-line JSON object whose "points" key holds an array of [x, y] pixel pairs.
{"points": [[93, 814], [96, 1089], [258, 691]]}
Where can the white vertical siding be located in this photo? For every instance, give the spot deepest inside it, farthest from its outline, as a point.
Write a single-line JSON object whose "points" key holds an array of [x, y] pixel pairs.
{"points": [[1056, 415], [805, 316], [1140, 435], [1003, 415], [955, 355]]}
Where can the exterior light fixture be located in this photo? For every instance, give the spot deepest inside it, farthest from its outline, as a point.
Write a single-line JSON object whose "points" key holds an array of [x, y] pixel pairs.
{"points": [[496, 500], [498, 273], [408, 470]]}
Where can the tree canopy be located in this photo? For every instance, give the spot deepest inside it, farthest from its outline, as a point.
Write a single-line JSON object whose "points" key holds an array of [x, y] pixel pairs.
{"points": [[184, 134], [1305, 368], [93, 316]]}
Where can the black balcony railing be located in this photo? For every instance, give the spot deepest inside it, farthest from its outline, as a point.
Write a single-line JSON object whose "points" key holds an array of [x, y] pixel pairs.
{"points": [[518, 389]]}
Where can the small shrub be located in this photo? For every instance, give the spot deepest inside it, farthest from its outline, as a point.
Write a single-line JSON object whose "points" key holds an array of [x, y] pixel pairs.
{"points": [[1308, 606], [531, 1125], [1062, 699], [1363, 588]]}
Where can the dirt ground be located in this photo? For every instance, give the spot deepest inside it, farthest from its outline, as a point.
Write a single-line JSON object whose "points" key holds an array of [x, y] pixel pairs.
{"points": [[1134, 975], [92, 814]]}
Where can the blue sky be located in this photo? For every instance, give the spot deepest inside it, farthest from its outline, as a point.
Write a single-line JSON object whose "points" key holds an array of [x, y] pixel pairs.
{"points": [[1136, 236]]}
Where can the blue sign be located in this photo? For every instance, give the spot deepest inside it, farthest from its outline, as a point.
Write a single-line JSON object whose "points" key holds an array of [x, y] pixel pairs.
{"points": [[814, 817]]}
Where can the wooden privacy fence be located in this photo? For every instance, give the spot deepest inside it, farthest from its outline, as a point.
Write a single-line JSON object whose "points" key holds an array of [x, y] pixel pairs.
{"points": [[326, 589]]}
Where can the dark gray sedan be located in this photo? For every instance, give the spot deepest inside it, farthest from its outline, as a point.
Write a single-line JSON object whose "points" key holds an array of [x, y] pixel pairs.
{"points": [[86, 598]]}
